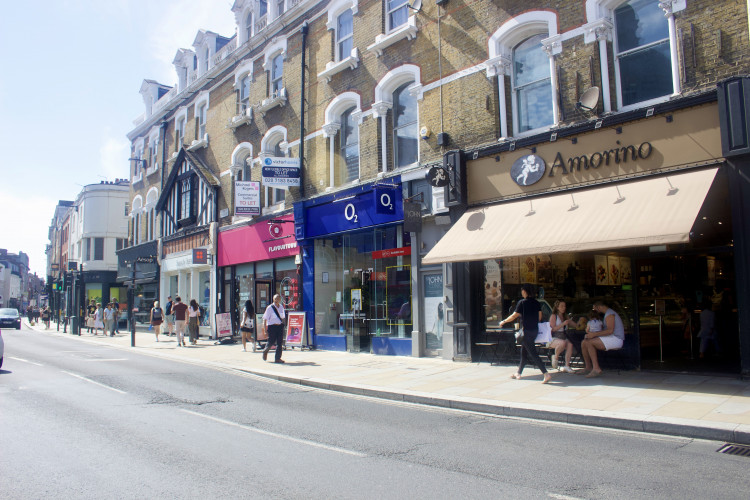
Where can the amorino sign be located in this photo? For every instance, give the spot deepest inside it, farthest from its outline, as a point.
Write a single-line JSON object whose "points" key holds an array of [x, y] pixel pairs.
{"points": [[661, 143]]}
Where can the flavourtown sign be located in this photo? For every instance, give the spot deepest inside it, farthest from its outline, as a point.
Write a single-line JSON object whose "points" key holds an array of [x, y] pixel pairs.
{"points": [[529, 169]]}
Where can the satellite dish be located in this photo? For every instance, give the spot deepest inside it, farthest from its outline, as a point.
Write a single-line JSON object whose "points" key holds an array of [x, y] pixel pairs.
{"points": [[589, 99]]}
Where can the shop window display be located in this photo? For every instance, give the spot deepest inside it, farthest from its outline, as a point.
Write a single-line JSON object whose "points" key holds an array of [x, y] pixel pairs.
{"points": [[359, 290]]}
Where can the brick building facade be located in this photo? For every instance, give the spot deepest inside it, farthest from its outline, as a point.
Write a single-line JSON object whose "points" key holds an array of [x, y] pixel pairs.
{"points": [[390, 89]]}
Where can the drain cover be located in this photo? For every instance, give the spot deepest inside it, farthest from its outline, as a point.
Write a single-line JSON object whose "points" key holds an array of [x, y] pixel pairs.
{"points": [[735, 449]]}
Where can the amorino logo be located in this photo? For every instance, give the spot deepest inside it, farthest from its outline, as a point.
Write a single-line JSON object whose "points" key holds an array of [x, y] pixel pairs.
{"points": [[285, 246], [527, 170]]}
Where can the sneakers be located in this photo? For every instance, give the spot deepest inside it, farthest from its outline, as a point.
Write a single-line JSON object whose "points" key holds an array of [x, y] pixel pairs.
{"points": [[567, 369], [279, 361], [265, 355], [554, 361]]}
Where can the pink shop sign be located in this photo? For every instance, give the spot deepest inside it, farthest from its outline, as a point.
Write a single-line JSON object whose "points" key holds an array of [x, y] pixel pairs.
{"points": [[260, 241]]}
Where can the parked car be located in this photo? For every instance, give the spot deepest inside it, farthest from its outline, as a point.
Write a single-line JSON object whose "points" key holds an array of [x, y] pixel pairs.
{"points": [[9, 318]]}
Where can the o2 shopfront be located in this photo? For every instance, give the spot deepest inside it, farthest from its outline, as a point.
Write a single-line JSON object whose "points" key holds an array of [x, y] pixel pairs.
{"points": [[356, 262]]}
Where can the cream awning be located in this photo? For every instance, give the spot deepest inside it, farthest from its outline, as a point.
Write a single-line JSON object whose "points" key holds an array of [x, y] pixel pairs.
{"points": [[654, 211]]}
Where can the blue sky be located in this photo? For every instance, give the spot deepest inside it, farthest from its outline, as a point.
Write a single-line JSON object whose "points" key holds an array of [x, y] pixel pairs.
{"points": [[71, 72]]}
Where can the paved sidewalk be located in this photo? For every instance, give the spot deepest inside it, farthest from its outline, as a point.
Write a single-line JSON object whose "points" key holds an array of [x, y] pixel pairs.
{"points": [[698, 406]]}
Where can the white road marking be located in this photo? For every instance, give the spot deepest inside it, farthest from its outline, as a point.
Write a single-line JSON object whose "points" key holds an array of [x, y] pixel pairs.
{"points": [[113, 359], [25, 361], [279, 436], [94, 382], [562, 497]]}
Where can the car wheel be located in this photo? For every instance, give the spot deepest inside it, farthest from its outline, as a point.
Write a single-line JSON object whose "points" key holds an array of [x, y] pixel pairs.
{"points": [[1, 362], [18, 327]]}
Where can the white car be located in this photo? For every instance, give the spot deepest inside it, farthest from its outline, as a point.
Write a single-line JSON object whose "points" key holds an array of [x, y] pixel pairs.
{"points": [[2, 349]]}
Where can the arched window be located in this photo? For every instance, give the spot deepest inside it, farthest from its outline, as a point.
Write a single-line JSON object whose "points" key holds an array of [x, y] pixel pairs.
{"points": [[532, 82], [642, 51], [349, 147], [522, 50], [405, 132]]}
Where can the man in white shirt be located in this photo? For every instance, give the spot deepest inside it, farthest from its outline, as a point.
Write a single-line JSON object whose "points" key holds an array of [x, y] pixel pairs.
{"points": [[273, 325]]}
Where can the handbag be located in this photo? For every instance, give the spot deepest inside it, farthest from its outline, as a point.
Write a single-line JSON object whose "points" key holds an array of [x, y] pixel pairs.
{"points": [[519, 334]]}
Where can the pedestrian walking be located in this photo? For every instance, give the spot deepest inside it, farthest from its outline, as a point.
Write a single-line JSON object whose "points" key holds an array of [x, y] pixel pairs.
{"points": [[156, 318], [530, 312], [98, 319], [247, 323], [46, 314], [90, 314], [194, 313], [273, 325], [180, 311], [169, 316], [109, 320], [116, 309]]}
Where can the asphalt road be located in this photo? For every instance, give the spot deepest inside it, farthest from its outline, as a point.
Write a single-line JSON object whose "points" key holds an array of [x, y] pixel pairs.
{"points": [[86, 421]]}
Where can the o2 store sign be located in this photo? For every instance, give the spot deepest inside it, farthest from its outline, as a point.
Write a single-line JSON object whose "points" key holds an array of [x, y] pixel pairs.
{"points": [[381, 205], [384, 204]]}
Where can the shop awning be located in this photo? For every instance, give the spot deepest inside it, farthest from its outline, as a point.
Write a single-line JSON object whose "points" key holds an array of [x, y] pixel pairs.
{"points": [[654, 211]]}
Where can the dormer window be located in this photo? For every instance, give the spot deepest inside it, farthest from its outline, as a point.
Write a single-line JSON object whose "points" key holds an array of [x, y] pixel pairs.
{"points": [[206, 60], [262, 8], [280, 8], [249, 26]]}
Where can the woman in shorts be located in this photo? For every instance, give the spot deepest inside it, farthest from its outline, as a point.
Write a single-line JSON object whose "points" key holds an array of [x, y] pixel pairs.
{"points": [[610, 337], [156, 319]]}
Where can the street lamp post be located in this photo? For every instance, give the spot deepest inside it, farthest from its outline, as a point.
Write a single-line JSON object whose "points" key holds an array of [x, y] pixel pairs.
{"points": [[131, 299]]}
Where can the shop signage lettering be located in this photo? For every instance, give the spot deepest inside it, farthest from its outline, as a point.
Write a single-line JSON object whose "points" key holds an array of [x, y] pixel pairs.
{"points": [[279, 248], [281, 172], [246, 198], [391, 252], [616, 155], [150, 259], [384, 197], [350, 213]]}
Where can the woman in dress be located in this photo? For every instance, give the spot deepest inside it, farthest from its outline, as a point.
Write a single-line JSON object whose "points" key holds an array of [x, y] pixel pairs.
{"points": [[193, 314], [98, 319], [156, 319], [247, 321]]}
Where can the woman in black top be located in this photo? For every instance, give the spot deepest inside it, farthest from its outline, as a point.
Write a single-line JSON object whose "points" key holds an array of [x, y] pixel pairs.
{"points": [[530, 312], [247, 323]]}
